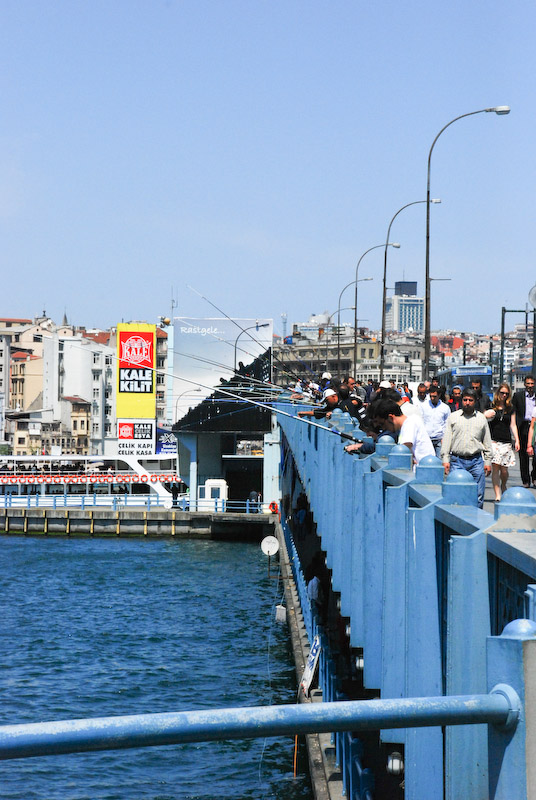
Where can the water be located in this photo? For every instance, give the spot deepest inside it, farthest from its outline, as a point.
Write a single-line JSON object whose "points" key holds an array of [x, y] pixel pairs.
{"points": [[99, 627]]}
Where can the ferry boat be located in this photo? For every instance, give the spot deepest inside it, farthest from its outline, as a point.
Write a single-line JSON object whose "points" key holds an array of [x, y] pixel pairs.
{"points": [[72, 477]]}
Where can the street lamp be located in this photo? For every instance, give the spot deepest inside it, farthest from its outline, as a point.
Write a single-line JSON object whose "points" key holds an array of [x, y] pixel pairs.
{"points": [[256, 326], [384, 296], [440, 279], [338, 311], [182, 394], [499, 110], [359, 280], [390, 244]]}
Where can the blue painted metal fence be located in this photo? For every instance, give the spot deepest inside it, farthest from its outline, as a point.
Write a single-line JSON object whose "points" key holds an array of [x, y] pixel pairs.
{"points": [[424, 578]]}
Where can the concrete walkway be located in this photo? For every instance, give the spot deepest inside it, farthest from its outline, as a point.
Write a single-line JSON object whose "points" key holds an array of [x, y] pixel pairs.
{"points": [[513, 480]]}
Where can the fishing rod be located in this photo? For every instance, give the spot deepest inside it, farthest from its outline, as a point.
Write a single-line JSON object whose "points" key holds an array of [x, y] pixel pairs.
{"points": [[276, 411], [236, 396], [239, 326], [225, 366], [272, 386]]}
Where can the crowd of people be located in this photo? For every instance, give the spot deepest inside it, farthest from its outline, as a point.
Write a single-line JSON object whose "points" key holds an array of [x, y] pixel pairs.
{"points": [[464, 428]]}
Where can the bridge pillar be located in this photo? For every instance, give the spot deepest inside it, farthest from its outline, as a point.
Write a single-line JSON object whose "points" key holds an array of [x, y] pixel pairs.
{"points": [[512, 661]]}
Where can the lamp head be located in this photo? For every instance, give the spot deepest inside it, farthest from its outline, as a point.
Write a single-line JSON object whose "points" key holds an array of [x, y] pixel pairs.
{"points": [[500, 109], [395, 244], [435, 200]]}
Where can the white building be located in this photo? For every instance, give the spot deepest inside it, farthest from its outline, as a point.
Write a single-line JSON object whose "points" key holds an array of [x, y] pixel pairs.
{"points": [[404, 313], [79, 366]]}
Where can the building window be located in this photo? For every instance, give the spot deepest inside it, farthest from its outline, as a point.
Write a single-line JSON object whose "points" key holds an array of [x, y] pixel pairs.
{"points": [[95, 427], [82, 424], [21, 440], [108, 427], [107, 410], [96, 393], [96, 358], [160, 379], [75, 425], [108, 361]]}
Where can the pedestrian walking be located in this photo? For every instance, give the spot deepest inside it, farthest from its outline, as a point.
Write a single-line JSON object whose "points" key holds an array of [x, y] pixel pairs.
{"points": [[467, 443], [524, 403], [435, 415], [503, 430]]}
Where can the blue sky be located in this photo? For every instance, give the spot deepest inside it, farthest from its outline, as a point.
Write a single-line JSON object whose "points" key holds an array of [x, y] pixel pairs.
{"points": [[254, 150]]}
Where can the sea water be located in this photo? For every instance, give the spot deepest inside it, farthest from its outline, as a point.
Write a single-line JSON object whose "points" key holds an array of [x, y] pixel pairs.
{"points": [[105, 627]]}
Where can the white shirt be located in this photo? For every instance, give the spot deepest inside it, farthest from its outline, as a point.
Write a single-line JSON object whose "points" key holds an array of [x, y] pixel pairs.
{"points": [[435, 418], [408, 409], [414, 433]]}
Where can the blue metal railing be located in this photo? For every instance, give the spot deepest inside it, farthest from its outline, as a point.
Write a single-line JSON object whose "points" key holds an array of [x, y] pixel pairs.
{"points": [[409, 553], [501, 707]]}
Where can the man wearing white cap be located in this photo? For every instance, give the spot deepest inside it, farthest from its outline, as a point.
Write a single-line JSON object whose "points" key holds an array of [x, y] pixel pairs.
{"points": [[330, 398]]}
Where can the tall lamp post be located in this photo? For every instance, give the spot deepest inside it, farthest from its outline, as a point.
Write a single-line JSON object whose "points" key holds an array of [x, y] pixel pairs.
{"points": [[500, 110], [356, 281], [439, 279], [338, 311], [251, 327], [384, 295], [359, 280]]}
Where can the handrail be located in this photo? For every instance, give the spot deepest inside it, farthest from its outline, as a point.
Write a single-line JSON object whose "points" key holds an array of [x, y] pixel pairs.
{"points": [[501, 707]]}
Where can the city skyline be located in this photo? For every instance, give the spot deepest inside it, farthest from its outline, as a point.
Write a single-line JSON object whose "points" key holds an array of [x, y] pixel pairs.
{"points": [[254, 152]]}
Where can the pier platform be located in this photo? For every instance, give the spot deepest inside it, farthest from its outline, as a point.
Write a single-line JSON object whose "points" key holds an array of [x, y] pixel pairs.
{"points": [[134, 521]]}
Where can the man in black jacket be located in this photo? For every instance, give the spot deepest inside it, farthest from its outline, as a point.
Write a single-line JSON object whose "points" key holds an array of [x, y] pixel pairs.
{"points": [[524, 402]]}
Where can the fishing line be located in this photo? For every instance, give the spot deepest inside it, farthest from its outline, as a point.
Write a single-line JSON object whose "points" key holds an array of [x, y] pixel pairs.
{"points": [[268, 666], [232, 344], [244, 330], [228, 393], [228, 369]]}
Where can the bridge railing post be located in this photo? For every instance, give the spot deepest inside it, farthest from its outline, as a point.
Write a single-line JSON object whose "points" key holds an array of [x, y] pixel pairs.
{"points": [[511, 662]]}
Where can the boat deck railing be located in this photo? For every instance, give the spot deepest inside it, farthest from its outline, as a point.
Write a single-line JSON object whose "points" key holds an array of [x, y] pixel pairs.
{"points": [[116, 502]]}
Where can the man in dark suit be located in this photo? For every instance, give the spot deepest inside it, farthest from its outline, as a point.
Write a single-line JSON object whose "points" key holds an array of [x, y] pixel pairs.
{"points": [[524, 402]]}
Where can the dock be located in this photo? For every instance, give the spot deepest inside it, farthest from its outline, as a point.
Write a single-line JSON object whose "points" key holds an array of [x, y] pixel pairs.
{"points": [[132, 521]]}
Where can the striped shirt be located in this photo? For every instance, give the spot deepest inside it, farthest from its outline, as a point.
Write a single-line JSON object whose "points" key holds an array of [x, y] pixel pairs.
{"points": [[466, 437]]}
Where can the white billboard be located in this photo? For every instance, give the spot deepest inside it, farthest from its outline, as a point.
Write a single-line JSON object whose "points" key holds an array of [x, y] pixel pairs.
{"points": [[210, 349]]}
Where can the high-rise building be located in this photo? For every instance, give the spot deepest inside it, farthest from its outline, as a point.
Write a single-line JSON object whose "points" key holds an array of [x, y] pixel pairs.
{"points": [[404, 311]]}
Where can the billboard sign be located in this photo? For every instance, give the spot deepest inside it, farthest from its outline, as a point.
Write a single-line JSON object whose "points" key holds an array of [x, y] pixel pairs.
{"points": [[166, 442], [209, 350], [136, 437], [136, 383]]}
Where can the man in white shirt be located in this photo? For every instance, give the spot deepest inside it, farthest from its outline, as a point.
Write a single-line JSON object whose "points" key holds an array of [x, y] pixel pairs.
{"points": [[410, 430], [435, 415]]}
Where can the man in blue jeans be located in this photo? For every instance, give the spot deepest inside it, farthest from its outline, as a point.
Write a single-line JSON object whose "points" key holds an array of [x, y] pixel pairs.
{"points": [[467, 443]]}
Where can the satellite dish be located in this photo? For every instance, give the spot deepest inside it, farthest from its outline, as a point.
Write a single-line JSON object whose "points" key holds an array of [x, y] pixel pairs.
{"points": [[532, 297], [269, 545]]}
